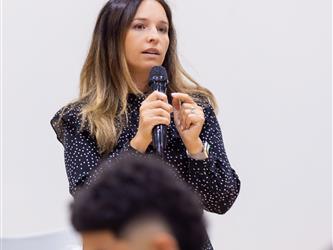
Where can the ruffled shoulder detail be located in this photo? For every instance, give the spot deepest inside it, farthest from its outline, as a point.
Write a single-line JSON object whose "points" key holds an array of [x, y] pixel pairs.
{"points": [[201, 100], [67, 117]]}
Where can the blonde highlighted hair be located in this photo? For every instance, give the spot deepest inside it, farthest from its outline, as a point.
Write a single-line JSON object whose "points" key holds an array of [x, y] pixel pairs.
{"points": [[105, 80]]}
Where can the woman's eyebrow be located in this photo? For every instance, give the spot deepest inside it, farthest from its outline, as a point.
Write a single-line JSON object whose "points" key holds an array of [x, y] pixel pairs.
{"points": [[146, 19]]}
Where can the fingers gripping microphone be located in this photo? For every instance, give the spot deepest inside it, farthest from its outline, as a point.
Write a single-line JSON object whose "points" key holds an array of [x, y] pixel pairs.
{"points": [[158, 80]]}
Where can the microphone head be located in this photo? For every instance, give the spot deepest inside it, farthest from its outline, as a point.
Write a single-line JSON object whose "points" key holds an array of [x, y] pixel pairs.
{"points": [[158, 73]]}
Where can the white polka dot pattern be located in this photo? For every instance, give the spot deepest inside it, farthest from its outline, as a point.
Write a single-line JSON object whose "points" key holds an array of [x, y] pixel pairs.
{"points": [[212, 179]]}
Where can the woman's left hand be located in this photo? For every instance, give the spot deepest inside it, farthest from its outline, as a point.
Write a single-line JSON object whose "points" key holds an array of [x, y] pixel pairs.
{"points": [[189, 119]]}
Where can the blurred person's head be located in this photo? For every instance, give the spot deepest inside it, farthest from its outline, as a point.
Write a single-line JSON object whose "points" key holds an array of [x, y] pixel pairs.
{"points": [[138, 204]]}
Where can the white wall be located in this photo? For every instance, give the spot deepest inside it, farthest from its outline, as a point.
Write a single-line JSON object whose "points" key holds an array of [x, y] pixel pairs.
{"points": [[269, 64]]}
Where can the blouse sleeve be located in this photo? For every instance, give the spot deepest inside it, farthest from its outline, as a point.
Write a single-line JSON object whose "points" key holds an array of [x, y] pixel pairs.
{"points": [[80, 149], [213, 179], [81, 154]]}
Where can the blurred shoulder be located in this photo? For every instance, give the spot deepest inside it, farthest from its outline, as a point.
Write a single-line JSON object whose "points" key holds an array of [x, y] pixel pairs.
{"points": [[202, 100]]}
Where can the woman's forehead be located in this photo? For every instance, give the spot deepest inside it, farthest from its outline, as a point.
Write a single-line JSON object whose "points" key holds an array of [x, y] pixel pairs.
{"points": [[151, 10]]}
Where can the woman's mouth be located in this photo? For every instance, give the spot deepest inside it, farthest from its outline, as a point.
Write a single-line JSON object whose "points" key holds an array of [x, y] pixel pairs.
{"points": [[151, 51]]}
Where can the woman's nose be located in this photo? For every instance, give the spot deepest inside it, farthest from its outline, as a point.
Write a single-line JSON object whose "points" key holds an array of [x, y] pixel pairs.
{"points": [[153, 35]]}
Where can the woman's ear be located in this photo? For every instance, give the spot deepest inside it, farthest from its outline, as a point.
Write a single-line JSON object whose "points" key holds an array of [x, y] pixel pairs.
{"points": [[164, 241]]}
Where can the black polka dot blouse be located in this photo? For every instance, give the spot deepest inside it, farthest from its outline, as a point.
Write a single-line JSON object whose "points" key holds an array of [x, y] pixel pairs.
{"points": [[212, 179]]}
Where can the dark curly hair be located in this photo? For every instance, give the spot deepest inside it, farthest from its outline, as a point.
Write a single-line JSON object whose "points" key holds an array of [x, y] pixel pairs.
{"points": [[131, 188]]}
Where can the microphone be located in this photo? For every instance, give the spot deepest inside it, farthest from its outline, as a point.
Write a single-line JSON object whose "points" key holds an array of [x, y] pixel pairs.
{"points": [[158, 80]]}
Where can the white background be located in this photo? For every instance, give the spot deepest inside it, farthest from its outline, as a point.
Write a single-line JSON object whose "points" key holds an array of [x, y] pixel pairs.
{"points": [[269, 65]]}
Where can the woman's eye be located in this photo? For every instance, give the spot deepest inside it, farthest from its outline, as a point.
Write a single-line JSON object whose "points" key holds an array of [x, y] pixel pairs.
{"points": [[139, 26], [163, 30]]}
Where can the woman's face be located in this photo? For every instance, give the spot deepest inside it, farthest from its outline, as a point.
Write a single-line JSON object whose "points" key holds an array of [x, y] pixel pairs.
{"points": [[147, 39]]}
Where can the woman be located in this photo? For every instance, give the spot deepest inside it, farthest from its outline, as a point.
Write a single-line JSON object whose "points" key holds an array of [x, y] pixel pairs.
{"points": [[116, 111]]}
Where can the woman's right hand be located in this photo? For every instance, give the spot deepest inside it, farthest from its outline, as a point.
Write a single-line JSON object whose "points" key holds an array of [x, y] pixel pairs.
{"points": [[154, 110]]}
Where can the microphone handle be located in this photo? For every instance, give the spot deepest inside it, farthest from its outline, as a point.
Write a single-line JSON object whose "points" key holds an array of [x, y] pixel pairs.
{"points": [[160, 131], [159, 138]]}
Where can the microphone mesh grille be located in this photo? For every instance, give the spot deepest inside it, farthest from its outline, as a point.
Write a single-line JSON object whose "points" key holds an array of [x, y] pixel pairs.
{"points": [[158, 71]]}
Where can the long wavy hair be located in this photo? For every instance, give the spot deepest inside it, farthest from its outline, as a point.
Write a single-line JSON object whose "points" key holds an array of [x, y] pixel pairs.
{"points": [[105, 80]]}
